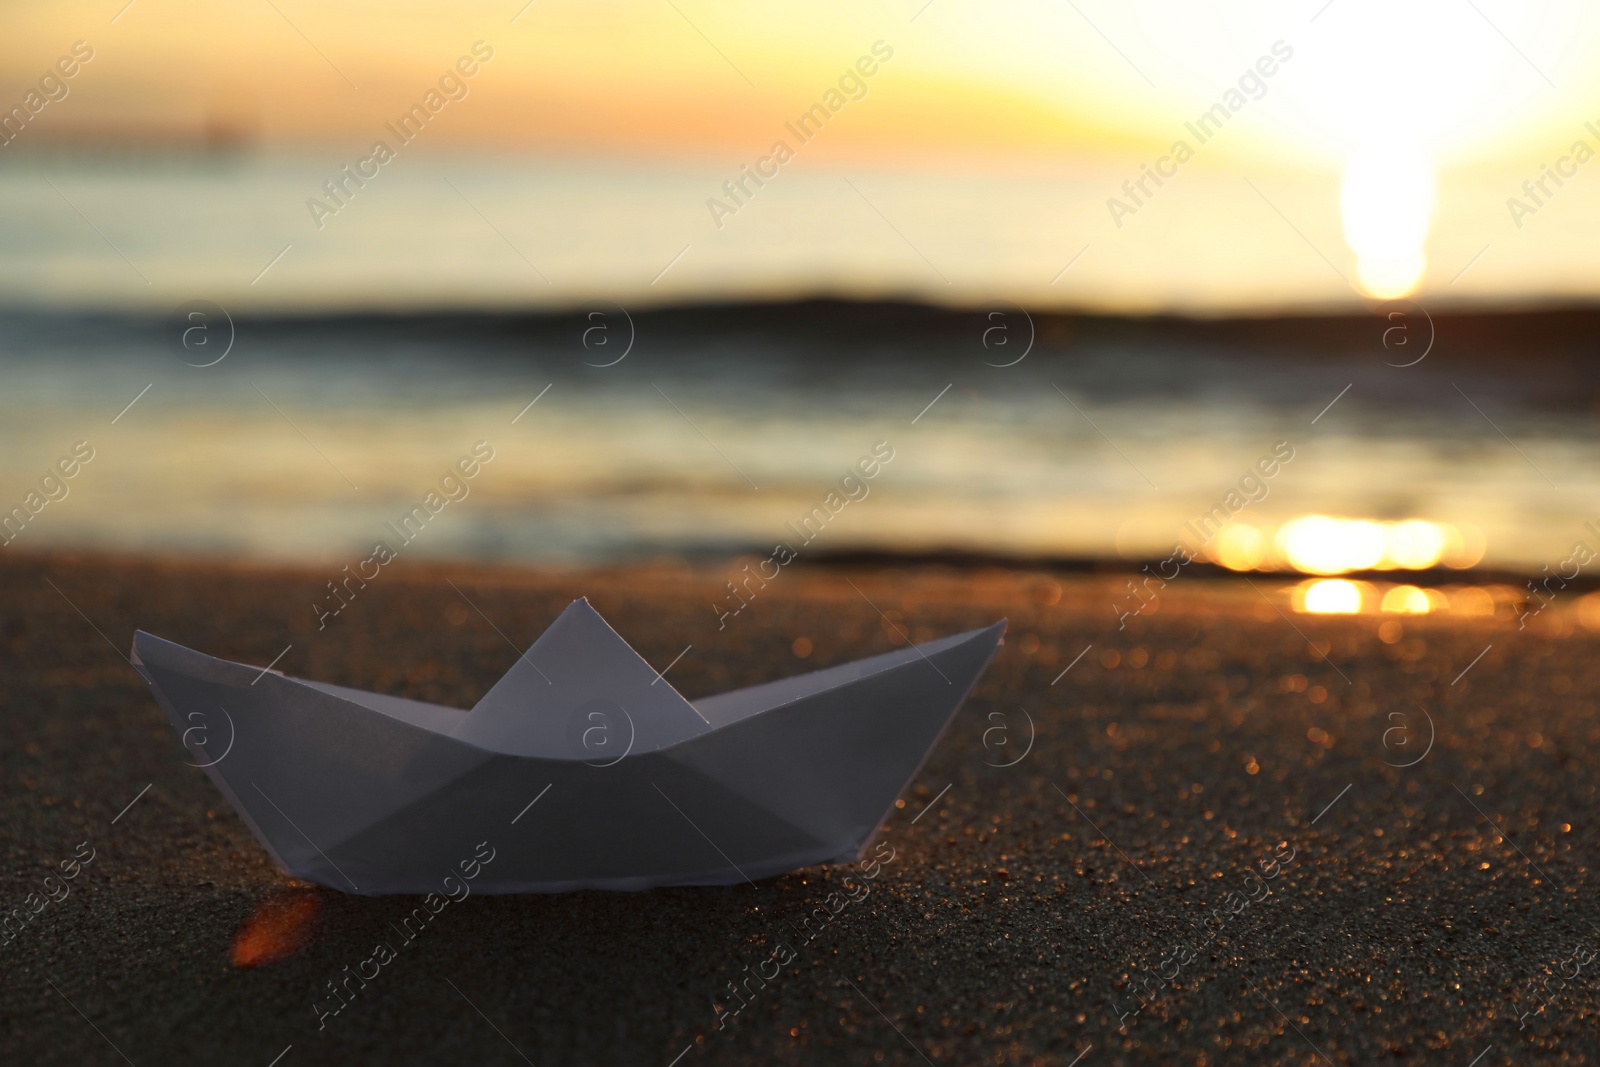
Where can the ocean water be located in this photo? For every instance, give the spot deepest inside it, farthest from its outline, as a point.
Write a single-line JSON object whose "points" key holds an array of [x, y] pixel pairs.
{"points": [[625, 436], [444, 228]]}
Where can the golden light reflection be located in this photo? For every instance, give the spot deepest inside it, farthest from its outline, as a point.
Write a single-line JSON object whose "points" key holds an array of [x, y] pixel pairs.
{"points": [[1318, 544], [1589, 611], [1415, 545], [1471, 600], [1241, 547], [1406, 600], [1464, 546], [1344, 596], [1330, 596]]}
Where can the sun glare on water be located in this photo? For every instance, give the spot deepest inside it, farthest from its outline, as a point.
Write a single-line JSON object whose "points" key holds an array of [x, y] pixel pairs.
{"points": [[1320, 544], [1324, 547]]}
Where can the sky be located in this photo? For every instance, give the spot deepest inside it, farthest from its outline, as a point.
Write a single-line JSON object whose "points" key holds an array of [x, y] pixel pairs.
{"points": [[1363, 150]]}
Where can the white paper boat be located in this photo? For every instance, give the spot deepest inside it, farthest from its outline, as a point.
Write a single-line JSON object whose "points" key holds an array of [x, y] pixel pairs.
{"points": [[581, 768]]}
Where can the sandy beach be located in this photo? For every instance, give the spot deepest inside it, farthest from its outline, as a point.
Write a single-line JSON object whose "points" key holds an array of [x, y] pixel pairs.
{"points": [[1194, 840], [1240, 358]]}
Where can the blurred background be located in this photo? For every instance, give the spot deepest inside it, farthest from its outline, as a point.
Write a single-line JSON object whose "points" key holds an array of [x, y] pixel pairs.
{"points": [[683, 264]]}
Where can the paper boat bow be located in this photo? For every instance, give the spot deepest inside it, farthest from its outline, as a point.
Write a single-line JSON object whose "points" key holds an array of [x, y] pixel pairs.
{"points": [[582, 767]]}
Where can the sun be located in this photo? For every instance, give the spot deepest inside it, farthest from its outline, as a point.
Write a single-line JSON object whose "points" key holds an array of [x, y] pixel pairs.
{"points": [[1386, 203], [1390, 93]]}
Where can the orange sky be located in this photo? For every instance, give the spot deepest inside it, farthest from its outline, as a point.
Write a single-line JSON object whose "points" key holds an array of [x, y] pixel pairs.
{"points": [[624, 75], [603, 77], [1482, 95], [1019, 80]]}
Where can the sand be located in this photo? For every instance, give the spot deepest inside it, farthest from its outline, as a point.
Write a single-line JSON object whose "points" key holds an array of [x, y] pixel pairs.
{"points": [[1095, 898]]}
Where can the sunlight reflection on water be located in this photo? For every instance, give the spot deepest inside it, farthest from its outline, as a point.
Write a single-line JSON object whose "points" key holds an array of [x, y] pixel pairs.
{"points": [[310, 440]]}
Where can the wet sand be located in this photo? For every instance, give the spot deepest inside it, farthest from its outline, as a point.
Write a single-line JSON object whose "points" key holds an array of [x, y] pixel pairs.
{"points": [[1095, 895]]}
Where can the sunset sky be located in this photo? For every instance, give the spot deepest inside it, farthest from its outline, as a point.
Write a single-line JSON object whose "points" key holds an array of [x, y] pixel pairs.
{"points": [[1390, 141]]}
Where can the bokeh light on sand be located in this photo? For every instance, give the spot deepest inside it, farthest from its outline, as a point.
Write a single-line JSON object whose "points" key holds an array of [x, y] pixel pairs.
{"points": [[1345, 596], [1470, 600], [1409, 600], [1329, 596]]}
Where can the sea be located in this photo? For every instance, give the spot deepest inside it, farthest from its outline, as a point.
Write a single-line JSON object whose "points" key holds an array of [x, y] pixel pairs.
{"points": [[692, 432]]}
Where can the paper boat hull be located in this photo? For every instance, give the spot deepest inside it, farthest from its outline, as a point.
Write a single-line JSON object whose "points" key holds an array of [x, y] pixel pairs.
{"points": [[344, 791]]}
